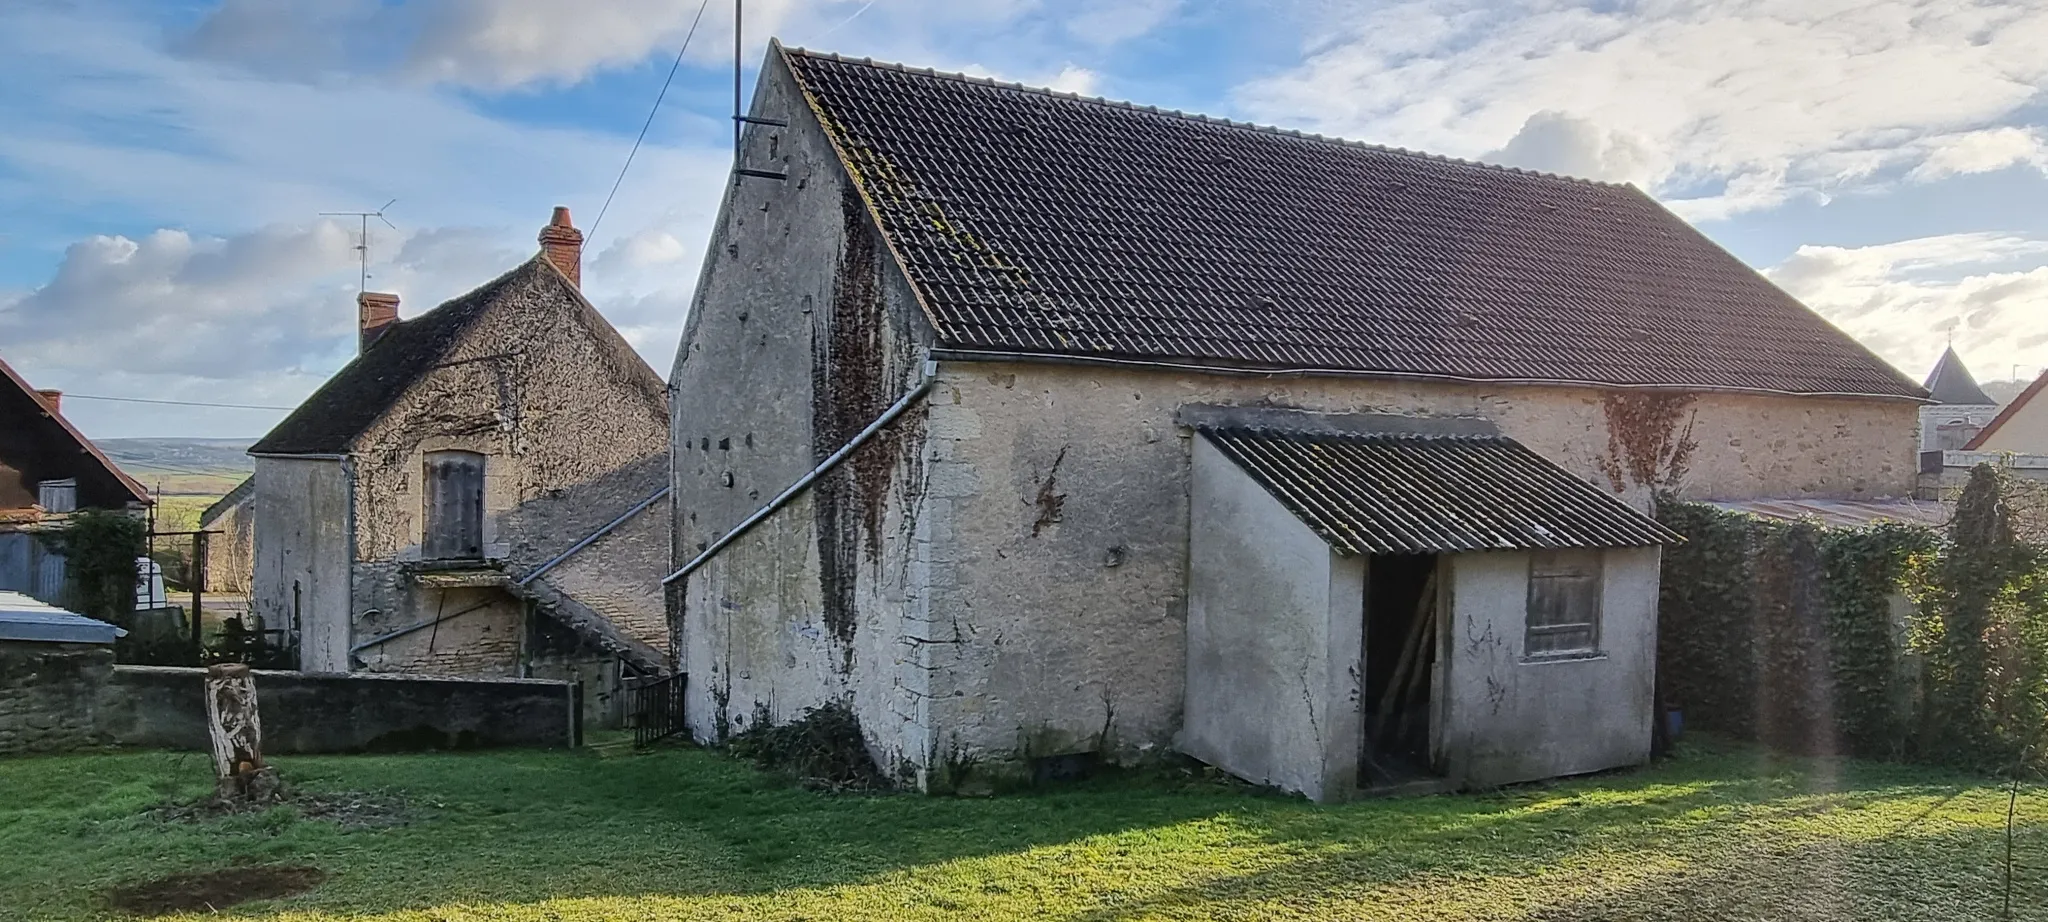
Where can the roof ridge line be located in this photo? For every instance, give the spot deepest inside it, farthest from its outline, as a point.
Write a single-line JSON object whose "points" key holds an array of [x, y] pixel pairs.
{"points": [[1202, 117]]}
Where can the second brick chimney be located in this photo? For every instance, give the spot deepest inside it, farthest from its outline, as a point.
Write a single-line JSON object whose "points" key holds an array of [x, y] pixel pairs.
{"points": [[55, 400], [376, 311], [562, 243]]}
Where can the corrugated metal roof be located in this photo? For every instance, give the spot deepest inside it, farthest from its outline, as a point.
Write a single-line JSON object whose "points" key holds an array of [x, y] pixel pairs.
{"points": [[24, 618], [1389, 493], [1047, 224], [1844, 513]]}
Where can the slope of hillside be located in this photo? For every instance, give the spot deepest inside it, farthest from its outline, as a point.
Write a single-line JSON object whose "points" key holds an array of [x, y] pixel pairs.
{"points": [[200, 468]]}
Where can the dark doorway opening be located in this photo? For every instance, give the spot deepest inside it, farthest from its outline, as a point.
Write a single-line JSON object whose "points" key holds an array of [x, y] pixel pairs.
{"points": [[1401, 625]]}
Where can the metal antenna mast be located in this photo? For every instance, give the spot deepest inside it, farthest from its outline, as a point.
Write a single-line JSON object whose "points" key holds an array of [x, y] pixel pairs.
{"points": [[737, 24], [363, 241], [740, 119]]}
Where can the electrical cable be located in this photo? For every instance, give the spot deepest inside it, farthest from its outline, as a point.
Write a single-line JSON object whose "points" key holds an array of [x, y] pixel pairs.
{"points": [[175, 403], [650, 119]]}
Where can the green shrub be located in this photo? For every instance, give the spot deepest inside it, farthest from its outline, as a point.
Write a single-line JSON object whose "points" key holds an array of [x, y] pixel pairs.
{"points": [[100, 548], [1786, 633]]}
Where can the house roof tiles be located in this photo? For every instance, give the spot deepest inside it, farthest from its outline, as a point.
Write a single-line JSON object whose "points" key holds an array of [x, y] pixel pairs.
{"points": [[1042, 223], [329, 420]]}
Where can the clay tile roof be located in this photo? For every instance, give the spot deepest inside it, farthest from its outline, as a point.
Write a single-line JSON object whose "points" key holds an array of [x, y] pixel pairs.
{"points": [[1392, 493], [1048, 224]]}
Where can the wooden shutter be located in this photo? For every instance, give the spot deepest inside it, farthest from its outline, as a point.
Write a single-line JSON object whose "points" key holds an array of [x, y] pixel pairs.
{"points": [[57, 495], [455, 505], [1564, 603]]}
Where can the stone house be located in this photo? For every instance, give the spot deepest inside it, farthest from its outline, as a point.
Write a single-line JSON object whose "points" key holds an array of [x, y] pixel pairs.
{"points": [[1038, 429], [231, 553], [465, 497], [48, 469]]}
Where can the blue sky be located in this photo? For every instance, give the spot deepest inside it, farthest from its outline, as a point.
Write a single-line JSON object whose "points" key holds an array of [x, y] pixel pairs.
{"points": [[164, 164]]}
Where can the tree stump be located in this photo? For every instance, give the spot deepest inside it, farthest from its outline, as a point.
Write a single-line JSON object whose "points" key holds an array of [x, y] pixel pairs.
{"points": [[236, 732]]}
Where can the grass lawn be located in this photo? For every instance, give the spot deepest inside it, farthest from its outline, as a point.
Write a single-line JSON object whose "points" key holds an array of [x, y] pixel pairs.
{"points": [[180, 512], [1718, 833]]}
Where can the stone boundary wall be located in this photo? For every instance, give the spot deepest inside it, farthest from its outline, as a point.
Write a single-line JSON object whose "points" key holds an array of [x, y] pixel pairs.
{"points": [[55, 699], [45, 694]]}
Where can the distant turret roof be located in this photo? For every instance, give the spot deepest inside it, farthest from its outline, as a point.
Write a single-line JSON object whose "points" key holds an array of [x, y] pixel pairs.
{"points": [[1951, 383]]}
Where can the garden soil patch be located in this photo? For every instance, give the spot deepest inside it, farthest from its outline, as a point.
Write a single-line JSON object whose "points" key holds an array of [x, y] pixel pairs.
{"points": [[205, 891], [347, 809]]}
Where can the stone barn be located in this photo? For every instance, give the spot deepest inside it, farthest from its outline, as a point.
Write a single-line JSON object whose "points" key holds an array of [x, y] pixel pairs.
{"points": [[1038, 429], [469, 496], [231, 548]]}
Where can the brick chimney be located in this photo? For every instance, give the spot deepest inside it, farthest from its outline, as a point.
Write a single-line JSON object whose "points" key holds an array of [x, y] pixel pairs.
{"points": [[562, 243], [55, 399], [376, 311]]}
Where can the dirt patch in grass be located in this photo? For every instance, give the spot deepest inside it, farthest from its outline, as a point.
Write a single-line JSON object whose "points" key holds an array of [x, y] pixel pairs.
{"points": [[347, 809], [205, 891]]}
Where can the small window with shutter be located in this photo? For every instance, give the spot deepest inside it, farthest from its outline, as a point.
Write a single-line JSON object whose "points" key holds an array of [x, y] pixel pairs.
{"points": [[1564, 603], [57, 495], [455, 506]]}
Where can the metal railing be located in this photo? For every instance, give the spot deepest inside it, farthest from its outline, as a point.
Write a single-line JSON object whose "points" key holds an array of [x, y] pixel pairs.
{"points": [[657, 708]]}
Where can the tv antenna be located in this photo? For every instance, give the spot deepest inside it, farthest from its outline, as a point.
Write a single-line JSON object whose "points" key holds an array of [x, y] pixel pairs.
{"points": [[363, 241]]}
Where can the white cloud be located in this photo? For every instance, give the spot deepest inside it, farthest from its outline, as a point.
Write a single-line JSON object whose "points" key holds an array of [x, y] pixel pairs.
{"points": [[1981, 152], [1073, 79], [502, 44], [201, 308], [1905, 299], [1111, 23], [264, 317], [1558, 142], [1725, 106], [170, 303]]}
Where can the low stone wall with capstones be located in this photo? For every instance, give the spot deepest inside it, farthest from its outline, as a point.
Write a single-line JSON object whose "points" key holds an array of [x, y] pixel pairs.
{"points": [[162, 707], [64, 697]]}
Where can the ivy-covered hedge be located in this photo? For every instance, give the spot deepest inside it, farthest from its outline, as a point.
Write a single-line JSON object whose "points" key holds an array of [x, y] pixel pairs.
{"points": [[1890, 641]]}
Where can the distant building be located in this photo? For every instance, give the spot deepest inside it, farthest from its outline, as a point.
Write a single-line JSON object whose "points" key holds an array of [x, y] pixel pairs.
{"points": [[48, 469], [1960, 409], [231, 554], [2021, 427], [2013, 437], [465, 497]]}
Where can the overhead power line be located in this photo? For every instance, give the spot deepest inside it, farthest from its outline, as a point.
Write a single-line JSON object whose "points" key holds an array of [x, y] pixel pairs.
{"points": [[175, 403], [650, 118]]}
